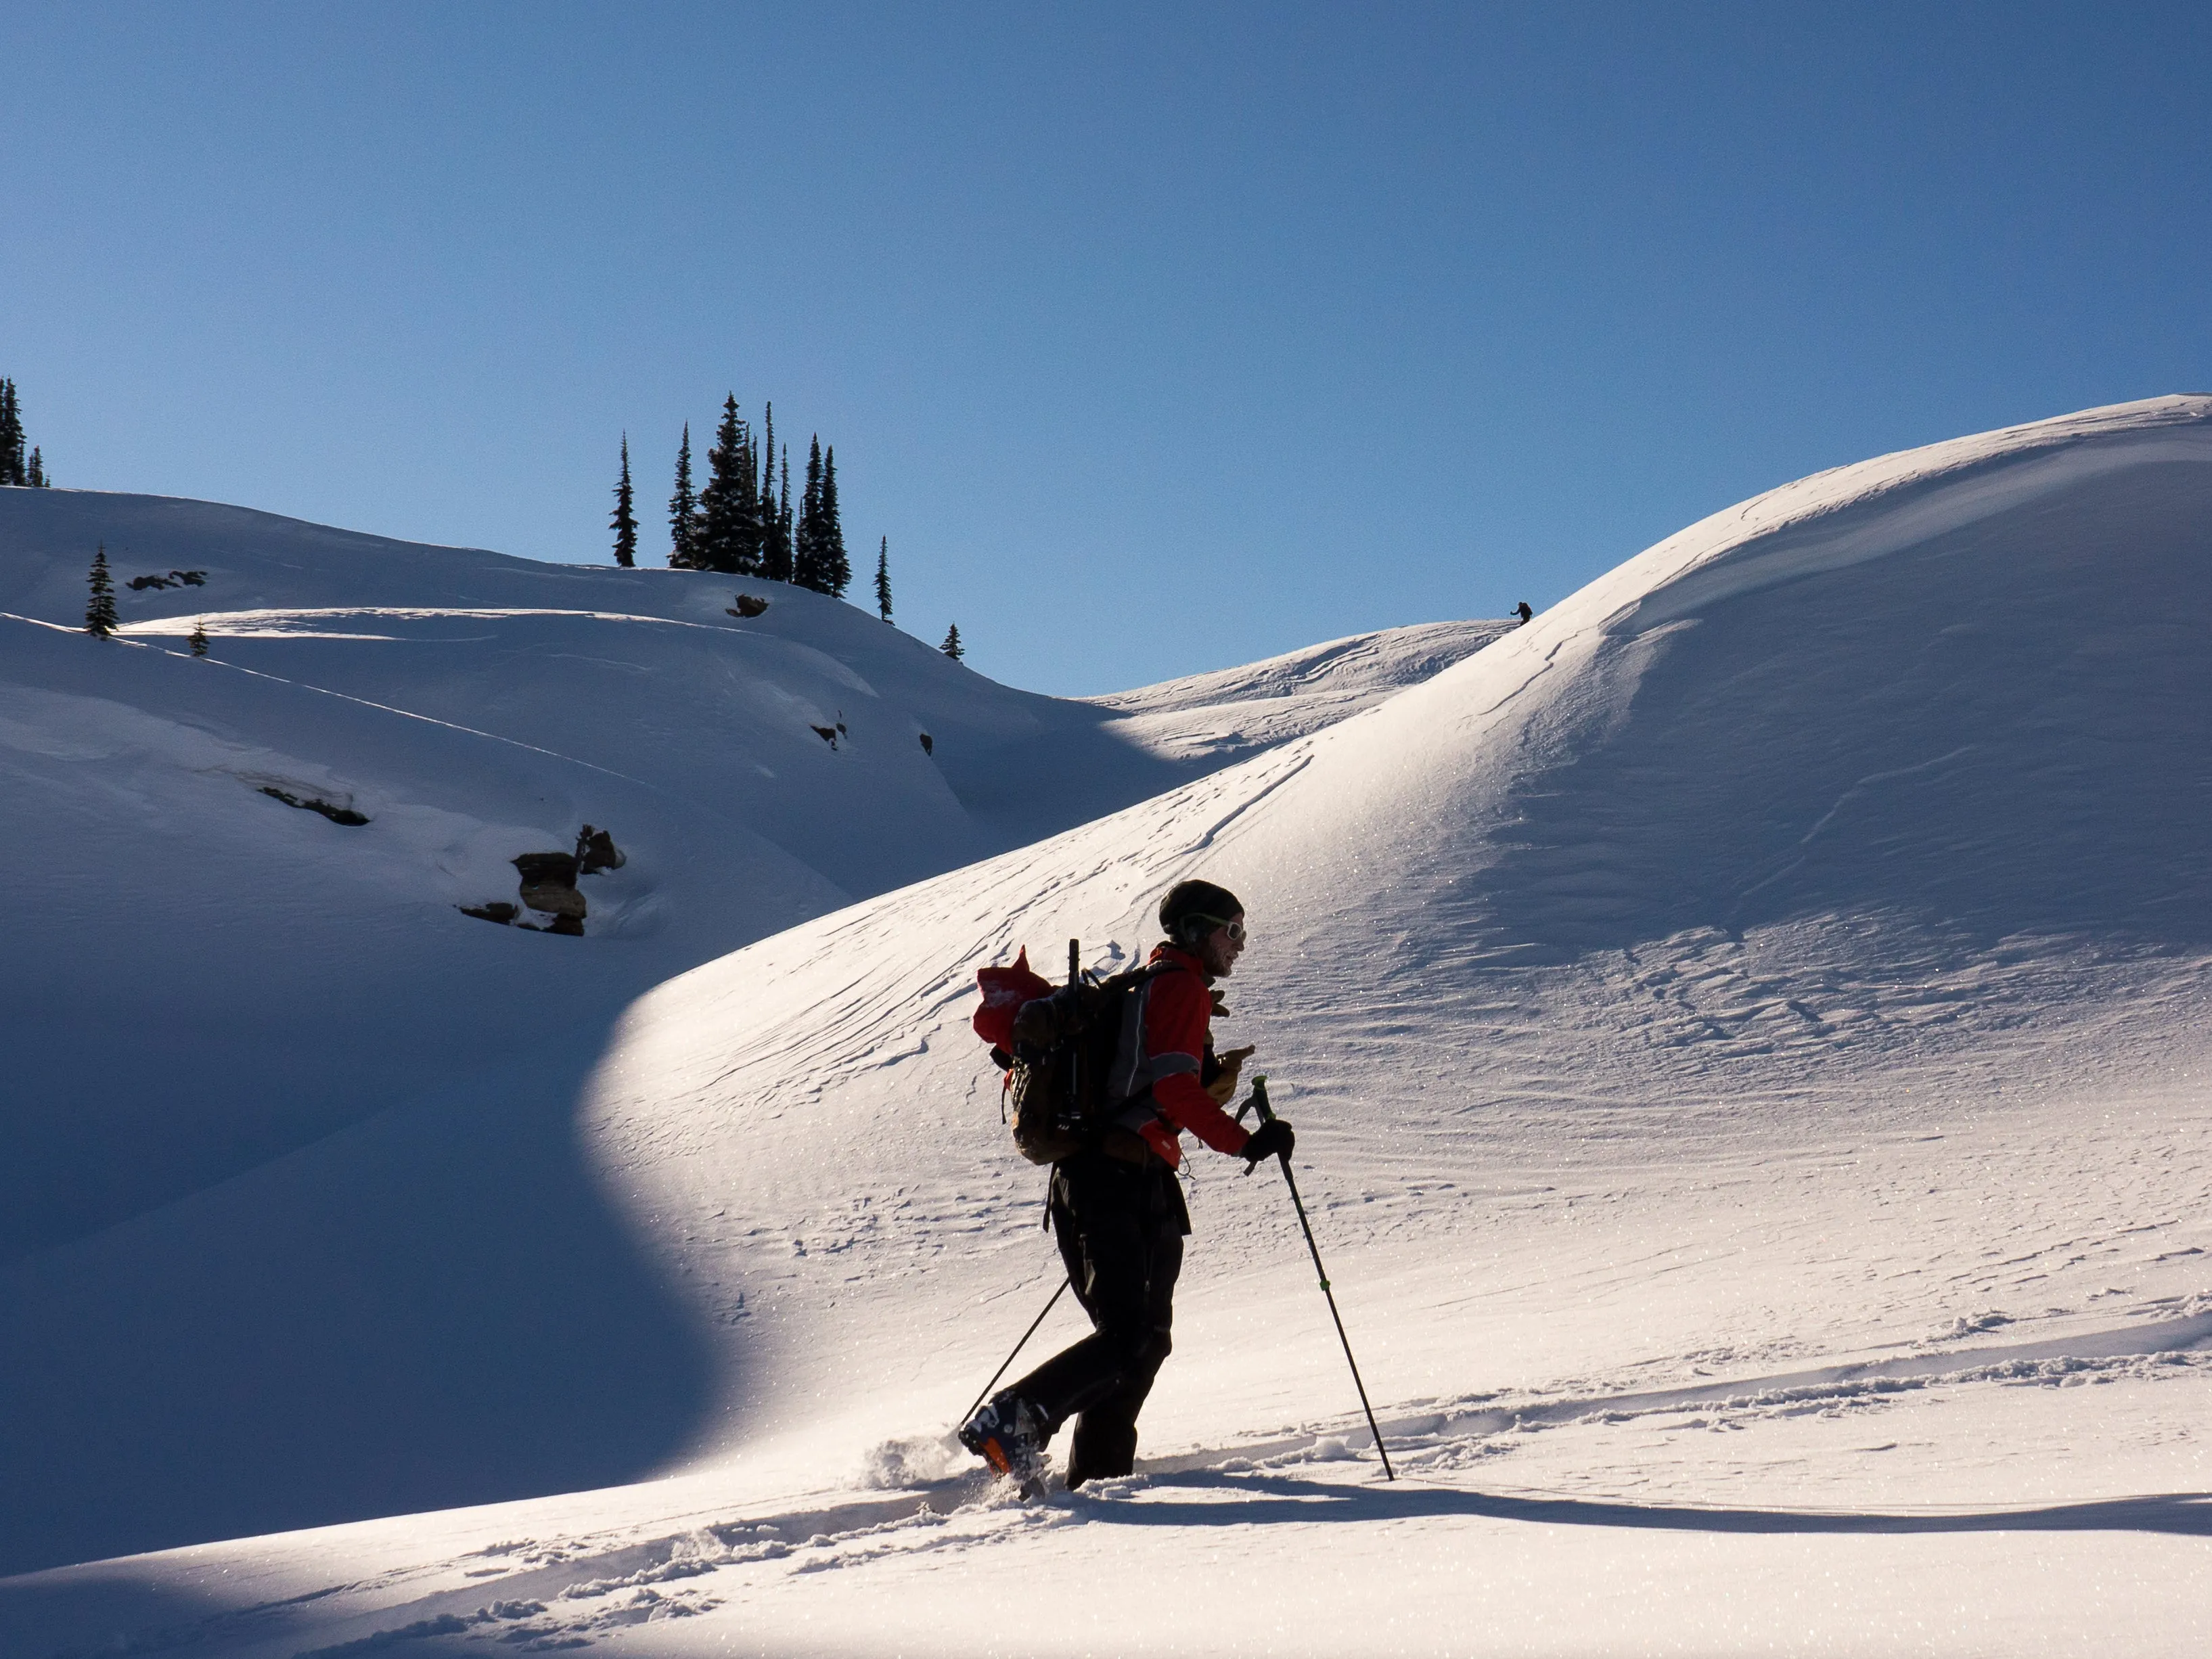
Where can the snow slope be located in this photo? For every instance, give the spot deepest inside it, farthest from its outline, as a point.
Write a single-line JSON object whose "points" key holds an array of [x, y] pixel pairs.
{"points": [[647, 672], [1236, 712], [207, 980], [269, 976], [1744, 1030]]}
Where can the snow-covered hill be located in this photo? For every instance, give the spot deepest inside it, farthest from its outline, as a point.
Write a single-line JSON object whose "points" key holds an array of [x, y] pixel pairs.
{"points": [[267, 975], [650, 674], [1744, 1030], [1843, 846], [207, 978]]}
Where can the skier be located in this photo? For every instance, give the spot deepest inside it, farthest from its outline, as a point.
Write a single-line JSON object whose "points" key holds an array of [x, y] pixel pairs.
{"points": [[1117, 1209], [1522, 611]]}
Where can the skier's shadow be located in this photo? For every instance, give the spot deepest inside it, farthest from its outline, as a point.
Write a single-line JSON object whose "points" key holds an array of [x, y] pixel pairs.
{"points": [[1265, 1500]]}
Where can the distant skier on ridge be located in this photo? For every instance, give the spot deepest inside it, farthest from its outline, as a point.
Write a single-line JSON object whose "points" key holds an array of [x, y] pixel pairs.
{"points": [[1117, 1209]]}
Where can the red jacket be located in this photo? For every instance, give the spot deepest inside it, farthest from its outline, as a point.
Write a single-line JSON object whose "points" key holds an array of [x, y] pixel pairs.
{"points": [[1165, 1044]]}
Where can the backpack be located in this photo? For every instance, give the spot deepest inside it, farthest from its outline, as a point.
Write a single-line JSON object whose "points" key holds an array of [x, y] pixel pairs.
{"points": [[1057, 1047]]}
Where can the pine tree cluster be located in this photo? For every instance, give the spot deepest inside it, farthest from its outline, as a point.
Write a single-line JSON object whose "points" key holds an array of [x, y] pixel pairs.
{"points": [[745, 522], [16, 467]]}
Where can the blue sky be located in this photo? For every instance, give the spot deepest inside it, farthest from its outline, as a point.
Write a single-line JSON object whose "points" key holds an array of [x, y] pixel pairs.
{"points": [[1154, 338]]}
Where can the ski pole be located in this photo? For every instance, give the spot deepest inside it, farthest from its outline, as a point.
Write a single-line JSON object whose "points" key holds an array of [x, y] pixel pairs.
{"points": [[1018, 1347], [1259, 1100]]}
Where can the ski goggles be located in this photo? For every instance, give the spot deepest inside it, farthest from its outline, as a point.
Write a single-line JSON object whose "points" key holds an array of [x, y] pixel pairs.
{"points": [[1234, 929]]}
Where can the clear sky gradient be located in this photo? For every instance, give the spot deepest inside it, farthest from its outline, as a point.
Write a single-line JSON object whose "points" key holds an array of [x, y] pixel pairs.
{"points": [[1155, 339]]}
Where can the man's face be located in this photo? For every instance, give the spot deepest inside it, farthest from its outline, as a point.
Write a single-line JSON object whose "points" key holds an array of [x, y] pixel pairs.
{"points": [[1220, 948]]}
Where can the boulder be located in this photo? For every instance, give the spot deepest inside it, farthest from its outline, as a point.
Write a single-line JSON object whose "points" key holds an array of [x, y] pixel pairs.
{"points": [[549, 883]]}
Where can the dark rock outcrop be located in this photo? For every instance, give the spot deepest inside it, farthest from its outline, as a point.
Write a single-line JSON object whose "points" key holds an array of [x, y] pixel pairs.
{"points": [[330, 810], [548, 886], [549, 883]]}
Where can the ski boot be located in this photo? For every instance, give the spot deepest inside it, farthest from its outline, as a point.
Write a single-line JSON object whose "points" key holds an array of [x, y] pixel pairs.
{"points": [[1007, 1435]]}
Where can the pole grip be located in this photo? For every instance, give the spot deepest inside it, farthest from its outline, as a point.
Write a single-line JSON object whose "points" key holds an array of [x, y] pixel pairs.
{"points": [[1258, 1101]]}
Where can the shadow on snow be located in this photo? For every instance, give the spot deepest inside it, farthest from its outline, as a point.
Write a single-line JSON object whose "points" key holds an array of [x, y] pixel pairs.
{"points": [[1265, 1500]]}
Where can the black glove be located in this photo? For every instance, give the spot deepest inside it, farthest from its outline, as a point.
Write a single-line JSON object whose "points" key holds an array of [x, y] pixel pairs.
{"points": [[1272, 1137]]}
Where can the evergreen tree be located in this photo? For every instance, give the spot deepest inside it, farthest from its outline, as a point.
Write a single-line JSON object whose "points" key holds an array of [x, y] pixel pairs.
{"points": [[684, 512], [884, 578], [952, 647], [768, 513], [775, 518], [625, 524], [780, 550], [199, 637], [729, 528], [809, 559], [99, 619], [836, 568], [38, 479], [12, 469]]}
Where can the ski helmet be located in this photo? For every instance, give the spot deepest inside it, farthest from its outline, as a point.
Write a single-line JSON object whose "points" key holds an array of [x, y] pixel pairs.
{"points": [[1193, 910]]}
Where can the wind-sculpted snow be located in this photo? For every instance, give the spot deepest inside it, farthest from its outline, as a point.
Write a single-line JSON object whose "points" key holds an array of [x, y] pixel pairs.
{"points": [[1935, 806], [1849, 849], [1745, 1034]]}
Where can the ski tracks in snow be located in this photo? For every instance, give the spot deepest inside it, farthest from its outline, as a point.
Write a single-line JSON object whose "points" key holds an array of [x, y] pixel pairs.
{"points": [[555, 1592]]}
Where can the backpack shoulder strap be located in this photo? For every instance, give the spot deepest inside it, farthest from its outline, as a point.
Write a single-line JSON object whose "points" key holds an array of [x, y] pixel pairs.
{"points": [[1129, 1076]]}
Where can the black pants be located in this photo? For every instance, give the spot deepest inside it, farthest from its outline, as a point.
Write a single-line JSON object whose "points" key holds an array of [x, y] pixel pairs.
{"points": [[1121, 1228]]}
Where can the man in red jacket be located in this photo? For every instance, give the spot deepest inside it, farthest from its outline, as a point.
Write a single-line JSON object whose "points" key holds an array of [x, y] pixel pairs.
{"points": [[1118, 1208]]}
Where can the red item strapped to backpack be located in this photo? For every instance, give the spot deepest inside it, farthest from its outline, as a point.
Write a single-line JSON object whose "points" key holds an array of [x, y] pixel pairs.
{"points": [[1004, 991]]}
